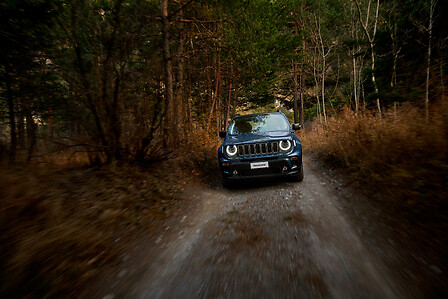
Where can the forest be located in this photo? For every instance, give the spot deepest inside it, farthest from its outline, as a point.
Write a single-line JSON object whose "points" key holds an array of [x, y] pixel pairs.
{"points": [[137, 88], [127, 80]]}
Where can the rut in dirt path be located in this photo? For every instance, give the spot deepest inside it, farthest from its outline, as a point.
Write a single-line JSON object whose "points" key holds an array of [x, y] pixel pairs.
{"points": [[271, 240]]}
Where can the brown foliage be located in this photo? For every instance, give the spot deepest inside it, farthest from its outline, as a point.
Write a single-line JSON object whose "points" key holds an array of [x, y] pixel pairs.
{"points": [[62, 223], [60, 227], [402, 156], [200, 153]]}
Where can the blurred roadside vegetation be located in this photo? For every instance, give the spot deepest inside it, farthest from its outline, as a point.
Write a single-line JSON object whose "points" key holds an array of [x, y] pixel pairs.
{"points": [[64, 221], [402, 151], [400, 161]]}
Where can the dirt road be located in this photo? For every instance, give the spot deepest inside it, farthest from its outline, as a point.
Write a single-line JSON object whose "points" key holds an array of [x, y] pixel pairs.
{"points": [[267, 240]]}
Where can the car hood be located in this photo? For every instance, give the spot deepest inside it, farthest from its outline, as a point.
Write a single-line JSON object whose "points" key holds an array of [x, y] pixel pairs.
{"points": [[258, 137]]}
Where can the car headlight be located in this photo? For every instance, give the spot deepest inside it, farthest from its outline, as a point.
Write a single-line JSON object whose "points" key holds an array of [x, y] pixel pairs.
{"points": [[231, 150], [285, 145]]}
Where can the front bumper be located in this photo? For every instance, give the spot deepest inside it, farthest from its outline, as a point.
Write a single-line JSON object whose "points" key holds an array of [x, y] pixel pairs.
{"points": [[240, 169]]}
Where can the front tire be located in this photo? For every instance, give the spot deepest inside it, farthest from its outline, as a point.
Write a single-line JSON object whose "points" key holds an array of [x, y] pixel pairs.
{"points": [[226, 183], [299, 177]]}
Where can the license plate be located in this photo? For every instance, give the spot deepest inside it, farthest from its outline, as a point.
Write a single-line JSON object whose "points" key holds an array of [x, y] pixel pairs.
{"points": [[257, 165]]}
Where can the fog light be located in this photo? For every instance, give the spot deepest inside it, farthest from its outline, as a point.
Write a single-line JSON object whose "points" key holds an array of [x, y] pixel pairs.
{"points": [[225, 164], [235, 172], [285, 168]]}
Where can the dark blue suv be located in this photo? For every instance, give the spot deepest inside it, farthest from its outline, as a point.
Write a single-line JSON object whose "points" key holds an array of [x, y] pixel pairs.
{"points": [[260, 145]]}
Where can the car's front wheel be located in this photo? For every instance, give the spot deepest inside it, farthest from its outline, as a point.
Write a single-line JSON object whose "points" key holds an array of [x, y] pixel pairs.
{"points": [[299, 177], [226, 183]]}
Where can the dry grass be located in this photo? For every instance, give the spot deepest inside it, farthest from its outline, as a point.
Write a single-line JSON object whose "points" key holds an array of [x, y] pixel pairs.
{"points": [[401, 160], [60, 227], [401, 151], [62, 222], [200, 154]]}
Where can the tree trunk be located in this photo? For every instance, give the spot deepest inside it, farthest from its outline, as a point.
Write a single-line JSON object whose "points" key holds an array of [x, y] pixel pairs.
{"points": [[83, 76], [218, 97], [12, 118], [302, 86], [371, 39], [296, 117], [324, 55], [374, 80], [442, 84], [395, 52], [215, 91], [324, 60], [317, 91], [181, 105], [353, 51], [170, 121], [115, 121], [355, 85], [428, 64], [218, 94], [50, 122], [188, 99], [20, 126], [323, 85], [229, 99], [209, 94], [31, 134]]}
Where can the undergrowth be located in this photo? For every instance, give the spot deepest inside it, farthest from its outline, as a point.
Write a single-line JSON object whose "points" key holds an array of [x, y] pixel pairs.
{"points": [[402, 151], [400, 160], [201, 156], [61, 223]]}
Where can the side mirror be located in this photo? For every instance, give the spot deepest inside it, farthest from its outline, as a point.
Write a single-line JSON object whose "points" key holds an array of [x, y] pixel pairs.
{"points": [[222, 134], [296, 127]]}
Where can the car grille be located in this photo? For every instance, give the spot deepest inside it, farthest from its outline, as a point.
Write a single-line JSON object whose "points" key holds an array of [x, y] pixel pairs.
{"points": [[256, 149]]}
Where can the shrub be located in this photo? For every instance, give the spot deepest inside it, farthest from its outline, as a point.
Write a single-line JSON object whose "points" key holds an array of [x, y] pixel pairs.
{"points": [[402, 153]]}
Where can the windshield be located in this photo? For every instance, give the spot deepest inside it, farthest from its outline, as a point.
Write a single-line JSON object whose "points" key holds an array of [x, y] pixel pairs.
{"points": [[258, 123]]}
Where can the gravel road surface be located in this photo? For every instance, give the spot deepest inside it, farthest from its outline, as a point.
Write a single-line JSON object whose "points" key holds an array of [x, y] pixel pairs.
{"points": [[271, 239]]}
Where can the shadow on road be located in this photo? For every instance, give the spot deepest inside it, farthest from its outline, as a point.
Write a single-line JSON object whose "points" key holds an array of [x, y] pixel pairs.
{"points": [[256, 184]]}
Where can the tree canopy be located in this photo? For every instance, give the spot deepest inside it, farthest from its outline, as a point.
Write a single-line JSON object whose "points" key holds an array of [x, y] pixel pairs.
{"points": [[127, 79]]}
